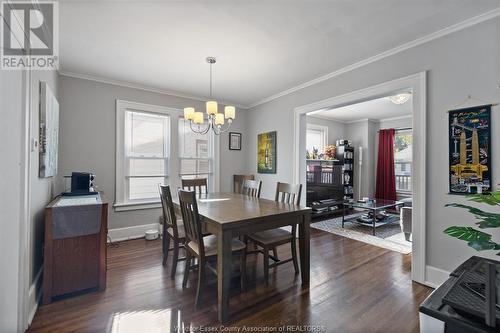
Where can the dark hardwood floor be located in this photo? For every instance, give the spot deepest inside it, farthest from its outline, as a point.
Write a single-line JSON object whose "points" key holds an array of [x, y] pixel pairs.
{"points": [[355, 287]]}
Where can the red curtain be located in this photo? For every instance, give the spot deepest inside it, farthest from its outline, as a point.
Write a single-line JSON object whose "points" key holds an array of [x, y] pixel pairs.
{"points": [[386, 177]]}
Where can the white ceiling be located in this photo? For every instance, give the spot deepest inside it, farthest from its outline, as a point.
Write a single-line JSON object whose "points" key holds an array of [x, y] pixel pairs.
{"points": [[262, 47], [376, 109]]}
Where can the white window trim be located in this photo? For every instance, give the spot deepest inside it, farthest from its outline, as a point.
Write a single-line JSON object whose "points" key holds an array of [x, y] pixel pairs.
{"points": [[322, 128], [121, 107], [215, 152], [121, 204]]}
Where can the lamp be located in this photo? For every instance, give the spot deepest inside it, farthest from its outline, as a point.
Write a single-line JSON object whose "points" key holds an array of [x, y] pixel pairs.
{"points": [[400, 98], [215, 120]]}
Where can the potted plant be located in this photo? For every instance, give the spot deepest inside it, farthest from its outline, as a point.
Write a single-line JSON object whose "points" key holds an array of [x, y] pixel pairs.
{"points": [[477, 239]]}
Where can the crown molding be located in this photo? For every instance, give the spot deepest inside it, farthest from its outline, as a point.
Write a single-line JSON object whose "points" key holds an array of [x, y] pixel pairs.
{"points": [[321, 117], [419, 41], [367, 120], [409, 116], [141, 87]]}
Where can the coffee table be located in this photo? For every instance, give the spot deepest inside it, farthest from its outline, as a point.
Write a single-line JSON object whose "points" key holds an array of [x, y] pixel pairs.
{"points": [[373, 206]]}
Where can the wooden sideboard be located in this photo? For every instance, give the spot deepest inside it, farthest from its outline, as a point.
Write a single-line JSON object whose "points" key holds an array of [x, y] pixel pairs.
{"points": [[75, 245]]}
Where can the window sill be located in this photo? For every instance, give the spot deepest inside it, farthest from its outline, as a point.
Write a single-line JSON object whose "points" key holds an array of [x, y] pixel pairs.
{"points": [[122, 207]]}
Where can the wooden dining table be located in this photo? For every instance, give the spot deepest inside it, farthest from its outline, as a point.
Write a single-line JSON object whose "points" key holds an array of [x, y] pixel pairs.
{"points": [[229, 215]]}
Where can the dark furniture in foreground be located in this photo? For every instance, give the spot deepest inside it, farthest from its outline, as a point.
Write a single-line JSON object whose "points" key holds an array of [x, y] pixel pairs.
{"points": [[173, 230], [229, 215], [199, 185], [75, 245], [202, 248], [373, 206], [270, 239], [457, 304]]}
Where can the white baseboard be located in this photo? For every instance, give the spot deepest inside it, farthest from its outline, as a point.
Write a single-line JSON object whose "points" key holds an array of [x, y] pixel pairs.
{"points": [[138, 231], [34, 295], [434, 276]]}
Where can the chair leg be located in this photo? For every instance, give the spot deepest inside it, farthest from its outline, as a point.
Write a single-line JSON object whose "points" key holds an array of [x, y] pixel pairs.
{"points": [[266, 264], [293, 244], [275, 252], [201, 281], [243, 270], [187, 269], [166, 247], [175, 258]]}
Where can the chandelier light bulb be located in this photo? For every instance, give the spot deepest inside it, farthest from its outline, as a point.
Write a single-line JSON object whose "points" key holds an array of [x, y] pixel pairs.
{"points": [[189, 113], [211, 107], [230, 112]]}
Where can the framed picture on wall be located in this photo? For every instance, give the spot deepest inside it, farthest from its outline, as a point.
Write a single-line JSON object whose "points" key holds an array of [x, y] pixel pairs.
{"points": [[266, 152], [470, 150], [234, 141], [49, 132]]}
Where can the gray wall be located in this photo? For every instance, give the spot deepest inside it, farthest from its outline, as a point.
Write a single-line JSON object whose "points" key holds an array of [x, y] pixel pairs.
{"points": [[462, 63], [87, 138]]}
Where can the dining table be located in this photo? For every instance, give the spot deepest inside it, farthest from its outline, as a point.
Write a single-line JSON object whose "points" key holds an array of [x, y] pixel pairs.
{"points": [[229, 215]]}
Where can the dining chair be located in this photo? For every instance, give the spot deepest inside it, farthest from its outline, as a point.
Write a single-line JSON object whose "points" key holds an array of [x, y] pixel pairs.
{"points": [[203, 247], [238, 181], [251, 188], [268, 240], [199, 185], [173, 229]]}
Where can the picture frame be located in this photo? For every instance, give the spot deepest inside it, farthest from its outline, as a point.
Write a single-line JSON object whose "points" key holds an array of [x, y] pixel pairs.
{"points": [[49, 132], [234, 141], [470, 150], [266, 152]]}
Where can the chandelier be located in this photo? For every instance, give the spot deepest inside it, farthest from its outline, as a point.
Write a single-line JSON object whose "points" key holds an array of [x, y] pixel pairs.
{"points": [[215, 120], [400, 98]]}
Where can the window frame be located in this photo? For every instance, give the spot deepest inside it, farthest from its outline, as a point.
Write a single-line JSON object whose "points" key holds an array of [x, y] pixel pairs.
{"points": [[404, 131], [321, 128], [213, 174]]}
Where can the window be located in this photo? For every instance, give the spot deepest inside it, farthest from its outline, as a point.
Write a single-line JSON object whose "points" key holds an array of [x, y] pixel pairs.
{"points": [[403, 159], [316, 138], [155, 145], [195, 153], [147, 142]]}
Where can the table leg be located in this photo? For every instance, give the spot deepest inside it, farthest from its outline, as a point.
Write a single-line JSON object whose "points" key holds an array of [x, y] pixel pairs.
{"points": [[304, 243], [343, 214], [224, 239], [374, 220]]}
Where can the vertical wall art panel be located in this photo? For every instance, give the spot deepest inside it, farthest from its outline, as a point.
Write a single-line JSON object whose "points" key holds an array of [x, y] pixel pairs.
{"points": [[49, 132], [266, 152], [470, 150]]}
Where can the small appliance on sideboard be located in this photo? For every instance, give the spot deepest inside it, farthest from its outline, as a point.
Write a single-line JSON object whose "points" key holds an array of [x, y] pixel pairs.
{"points": [[82, 183], [468, 301]]}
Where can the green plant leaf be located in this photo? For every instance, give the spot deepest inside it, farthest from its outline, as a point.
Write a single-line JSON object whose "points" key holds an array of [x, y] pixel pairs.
{"points": [[479, 245], [487, 220], [492, 198], [468, 234]]}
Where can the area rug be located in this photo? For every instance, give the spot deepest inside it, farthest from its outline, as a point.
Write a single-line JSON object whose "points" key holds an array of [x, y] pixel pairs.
{"points": [[387, 236]]}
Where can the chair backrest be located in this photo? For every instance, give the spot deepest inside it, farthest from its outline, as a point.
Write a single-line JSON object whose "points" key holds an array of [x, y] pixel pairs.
{"points": [[167, 205], [238, 181], [191, 219], [288, 193], [251, 188], [198, 185]]}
